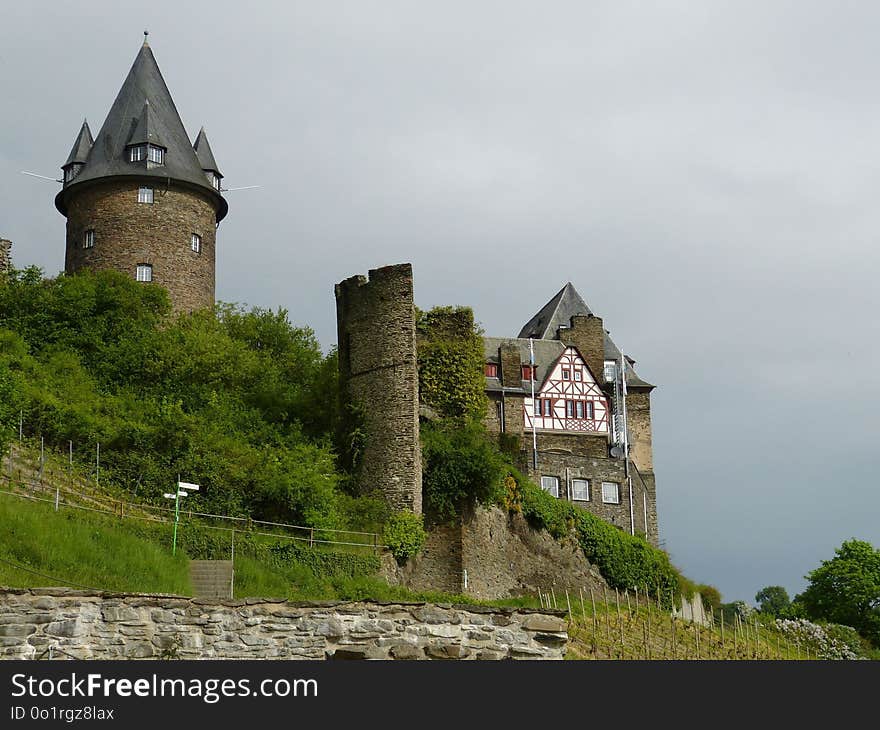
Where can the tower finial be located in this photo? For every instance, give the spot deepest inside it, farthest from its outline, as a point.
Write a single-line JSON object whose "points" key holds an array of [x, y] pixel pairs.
{"points": [[146, 33]]}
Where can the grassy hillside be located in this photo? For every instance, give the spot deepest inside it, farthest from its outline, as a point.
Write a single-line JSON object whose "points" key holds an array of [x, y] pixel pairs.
{"points": [[83, 550], [89, 550]]}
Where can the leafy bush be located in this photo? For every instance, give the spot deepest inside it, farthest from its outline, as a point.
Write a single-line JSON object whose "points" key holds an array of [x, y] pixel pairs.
{"points": [[836, 644], [462, 466], [241, 402], [846, 589], [710, 596], [772, 600], [404, 535], [625, 561]]}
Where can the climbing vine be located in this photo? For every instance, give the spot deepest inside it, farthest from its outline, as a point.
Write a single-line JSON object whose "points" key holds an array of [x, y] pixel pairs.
{"points": [[450, 358]]}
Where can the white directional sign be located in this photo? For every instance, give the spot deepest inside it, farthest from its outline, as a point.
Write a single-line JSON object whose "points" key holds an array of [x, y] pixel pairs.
{"points": [[187, 485]]}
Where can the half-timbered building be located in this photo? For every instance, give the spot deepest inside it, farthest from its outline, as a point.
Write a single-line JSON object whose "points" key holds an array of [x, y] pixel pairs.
{"points": [[571, 405]]}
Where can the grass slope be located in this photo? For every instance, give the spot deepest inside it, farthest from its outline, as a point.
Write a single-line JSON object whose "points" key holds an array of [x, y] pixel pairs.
{"points": [[78, 548]]}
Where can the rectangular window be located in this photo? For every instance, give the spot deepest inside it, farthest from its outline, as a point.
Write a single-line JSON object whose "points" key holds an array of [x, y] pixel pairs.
{"points": [[537, 406], [551, 485], [88, 239], [569, 409], [580, 490], [145, 195], [579, 410], [566, 374], [156, 154], [548, 407], [215, 181], [590, 412], [528, 372], [491, 370], [136, 154], [610, 492], [196, 243], [144, 272], [578, 374], [610, 371]]}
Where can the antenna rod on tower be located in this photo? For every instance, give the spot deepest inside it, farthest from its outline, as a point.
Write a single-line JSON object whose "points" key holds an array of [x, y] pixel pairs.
{"points": [[629, 486], [534, 417], [42, 177]]}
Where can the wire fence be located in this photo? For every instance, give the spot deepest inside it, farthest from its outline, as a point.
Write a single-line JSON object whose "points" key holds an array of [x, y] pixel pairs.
{"points": [[36, 479]]}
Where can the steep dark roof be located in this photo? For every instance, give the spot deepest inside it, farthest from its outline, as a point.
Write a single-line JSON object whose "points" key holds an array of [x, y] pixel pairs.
{"points": [[204, 153], [108, 157], [146, 132], [81, 145], [544, 328], [558, 311]]}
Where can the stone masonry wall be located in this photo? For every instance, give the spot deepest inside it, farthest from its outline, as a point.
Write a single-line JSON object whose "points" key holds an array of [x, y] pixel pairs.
{"points": [[638, 420], [588, 336], [128, 233], [504, 557], [5, 255], [378, 374], [86, 625], [595, 470], [490, 554], [511, 365]]}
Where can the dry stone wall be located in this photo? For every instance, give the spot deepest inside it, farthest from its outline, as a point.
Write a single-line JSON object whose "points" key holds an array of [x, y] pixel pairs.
{"points": [[63, 623]]}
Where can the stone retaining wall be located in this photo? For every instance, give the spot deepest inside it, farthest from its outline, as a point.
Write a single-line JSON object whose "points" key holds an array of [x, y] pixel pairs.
{"points": [[85, 625]]}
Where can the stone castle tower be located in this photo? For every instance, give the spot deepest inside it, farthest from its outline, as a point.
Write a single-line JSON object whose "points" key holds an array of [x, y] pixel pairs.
{"points": [[5, 255], [140, 198]]}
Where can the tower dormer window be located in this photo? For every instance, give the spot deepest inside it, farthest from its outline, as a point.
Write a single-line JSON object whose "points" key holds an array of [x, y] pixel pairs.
{"points": [[145, 195], [214, 179], [72, 171], [151, 152], [156, 154]]}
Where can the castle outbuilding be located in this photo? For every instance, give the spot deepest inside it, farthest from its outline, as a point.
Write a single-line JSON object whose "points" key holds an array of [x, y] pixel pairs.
{"points": [[142, 199], [577, 413]]}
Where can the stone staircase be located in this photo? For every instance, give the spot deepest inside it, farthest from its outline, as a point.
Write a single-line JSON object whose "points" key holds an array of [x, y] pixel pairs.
{"points": [[211, 579]]}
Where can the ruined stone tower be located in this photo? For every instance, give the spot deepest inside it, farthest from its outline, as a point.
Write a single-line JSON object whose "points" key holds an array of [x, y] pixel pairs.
{"points": [[379, 381], [5, 255], [140, 198]]}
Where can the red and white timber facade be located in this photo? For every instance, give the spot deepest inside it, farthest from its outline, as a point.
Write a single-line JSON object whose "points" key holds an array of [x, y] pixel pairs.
{"points": [[568, 400]]}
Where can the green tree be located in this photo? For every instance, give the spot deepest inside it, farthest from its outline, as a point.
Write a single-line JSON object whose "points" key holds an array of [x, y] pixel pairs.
{"points": [[461, 466], [773, 600], [846, 589]]}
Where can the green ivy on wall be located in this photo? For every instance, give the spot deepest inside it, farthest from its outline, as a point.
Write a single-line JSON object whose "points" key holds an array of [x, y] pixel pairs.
{"points": [[450, 358]]}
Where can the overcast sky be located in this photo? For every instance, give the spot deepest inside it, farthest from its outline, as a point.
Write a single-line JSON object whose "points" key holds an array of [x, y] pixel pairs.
{"points": [[706, 175]]}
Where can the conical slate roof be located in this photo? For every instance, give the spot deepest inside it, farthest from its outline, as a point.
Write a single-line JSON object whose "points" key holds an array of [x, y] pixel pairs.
{"points": [[558, 312], [555, 313], [145, 132], [143, 88], [204, 153], [81, 145]]}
